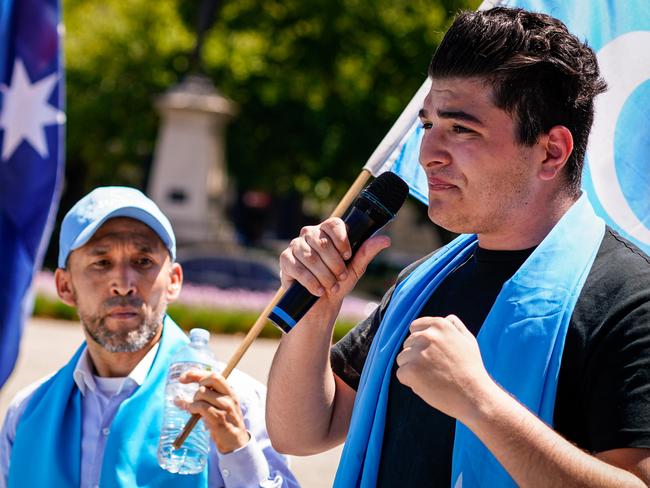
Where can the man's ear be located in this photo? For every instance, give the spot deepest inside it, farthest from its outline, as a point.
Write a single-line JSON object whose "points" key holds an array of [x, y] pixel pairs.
{"points": [[175, 282], [558, 144], [64, 287]]}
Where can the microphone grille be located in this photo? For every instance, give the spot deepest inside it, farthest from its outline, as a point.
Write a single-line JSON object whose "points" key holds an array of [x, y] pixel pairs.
{"points": [[390, 190]]}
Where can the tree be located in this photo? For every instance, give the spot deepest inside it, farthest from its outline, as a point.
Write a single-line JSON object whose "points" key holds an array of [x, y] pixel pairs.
{"points": [[318, 84]]}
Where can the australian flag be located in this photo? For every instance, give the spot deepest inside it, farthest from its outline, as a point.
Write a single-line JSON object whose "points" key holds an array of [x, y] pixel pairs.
{"points": [[617, 170], [31, 155]]}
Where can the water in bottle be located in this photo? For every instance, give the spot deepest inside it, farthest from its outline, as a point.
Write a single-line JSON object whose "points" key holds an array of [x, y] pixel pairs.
{"points": [[192, 456]]}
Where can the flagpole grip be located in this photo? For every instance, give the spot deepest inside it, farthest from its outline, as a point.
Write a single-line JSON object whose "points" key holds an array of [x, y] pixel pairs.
{"points": [[259, 324]]}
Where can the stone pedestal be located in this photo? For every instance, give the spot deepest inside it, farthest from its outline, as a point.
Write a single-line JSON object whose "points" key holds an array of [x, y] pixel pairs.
{"points": [[188, 177]]}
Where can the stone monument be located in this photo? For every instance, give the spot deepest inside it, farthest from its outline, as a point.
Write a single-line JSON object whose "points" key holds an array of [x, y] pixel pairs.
{"points": [[188, 177]]}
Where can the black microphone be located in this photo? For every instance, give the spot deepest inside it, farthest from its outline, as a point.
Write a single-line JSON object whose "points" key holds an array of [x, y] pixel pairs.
{"points": [[375, 206]]}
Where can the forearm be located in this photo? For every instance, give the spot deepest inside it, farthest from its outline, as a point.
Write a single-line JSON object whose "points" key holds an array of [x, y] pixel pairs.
{"points": [[534, 454], [301, 386]]}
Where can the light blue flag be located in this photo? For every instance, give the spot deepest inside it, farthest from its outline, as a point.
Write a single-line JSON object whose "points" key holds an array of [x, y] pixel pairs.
{"points": [[617, 170], [31, 155]]}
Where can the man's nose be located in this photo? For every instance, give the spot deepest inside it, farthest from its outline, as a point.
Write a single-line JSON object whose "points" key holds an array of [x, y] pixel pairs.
{"points": [[123, 281], [433, 150]]}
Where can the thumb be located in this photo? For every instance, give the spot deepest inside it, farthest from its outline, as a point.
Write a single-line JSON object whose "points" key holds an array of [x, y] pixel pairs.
{"points": [[367, 253]]}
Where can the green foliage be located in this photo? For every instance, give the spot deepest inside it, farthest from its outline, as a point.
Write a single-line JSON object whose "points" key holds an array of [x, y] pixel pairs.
{"points": [[318, 83], [45, 306], [215, 320]]}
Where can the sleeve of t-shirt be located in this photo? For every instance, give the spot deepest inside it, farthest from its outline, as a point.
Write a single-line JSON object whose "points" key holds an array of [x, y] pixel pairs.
{"points": [[617, 392], [612, 378], [349, 354]]}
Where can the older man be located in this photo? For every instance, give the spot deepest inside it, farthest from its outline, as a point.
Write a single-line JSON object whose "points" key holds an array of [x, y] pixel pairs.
{"points": [[96, 421], [519, 353]]}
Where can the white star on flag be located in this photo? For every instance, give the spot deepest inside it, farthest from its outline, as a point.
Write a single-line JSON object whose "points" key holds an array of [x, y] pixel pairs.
{"points": [[26, 112]]}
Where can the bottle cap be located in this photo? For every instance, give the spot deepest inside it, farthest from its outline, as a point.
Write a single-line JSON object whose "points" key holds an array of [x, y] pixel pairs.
{"points": [[199, 334]]}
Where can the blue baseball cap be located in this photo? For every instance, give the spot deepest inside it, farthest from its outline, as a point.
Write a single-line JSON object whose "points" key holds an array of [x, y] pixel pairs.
{"points": [[107, 202]]}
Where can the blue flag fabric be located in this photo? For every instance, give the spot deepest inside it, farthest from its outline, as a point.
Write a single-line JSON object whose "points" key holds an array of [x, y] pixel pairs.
{"points": [[31, 155], [617, 173], [617, 170]]}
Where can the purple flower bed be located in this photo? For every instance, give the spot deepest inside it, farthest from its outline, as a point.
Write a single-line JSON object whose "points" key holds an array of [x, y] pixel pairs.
{"points": [[353, 309]]}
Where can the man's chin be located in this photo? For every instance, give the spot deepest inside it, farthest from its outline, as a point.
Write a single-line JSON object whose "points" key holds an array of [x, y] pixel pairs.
{"points": [[133, 341], [449, 223], [122, 334]]}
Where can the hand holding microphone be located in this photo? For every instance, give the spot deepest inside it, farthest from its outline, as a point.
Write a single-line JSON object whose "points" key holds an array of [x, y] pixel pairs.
{"points": [[323, 261]]}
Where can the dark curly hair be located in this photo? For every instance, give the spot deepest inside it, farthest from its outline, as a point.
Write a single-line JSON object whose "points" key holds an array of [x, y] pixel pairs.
{"points": [[540, 73]]}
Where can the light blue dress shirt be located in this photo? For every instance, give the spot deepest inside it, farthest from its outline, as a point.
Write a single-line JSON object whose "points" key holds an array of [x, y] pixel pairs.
{"points": [[255, 464]]}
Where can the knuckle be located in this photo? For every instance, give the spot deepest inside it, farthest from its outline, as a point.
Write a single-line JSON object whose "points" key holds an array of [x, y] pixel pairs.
{"points": [[334, 226], [402, 373], [310, 257], [285, 256], [330, 223], [339, 267], [294, 246]]}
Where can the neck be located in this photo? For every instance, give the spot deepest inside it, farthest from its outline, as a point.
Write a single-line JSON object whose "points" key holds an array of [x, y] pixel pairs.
{"points": [[117, 364], [530, 227]]}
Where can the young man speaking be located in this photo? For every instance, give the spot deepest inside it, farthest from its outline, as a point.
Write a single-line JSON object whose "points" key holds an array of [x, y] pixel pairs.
{"points": [[520, 352]]}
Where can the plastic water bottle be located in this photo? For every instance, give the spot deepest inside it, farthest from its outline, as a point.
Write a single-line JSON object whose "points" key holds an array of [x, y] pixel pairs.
{"points": [[192, 456]]}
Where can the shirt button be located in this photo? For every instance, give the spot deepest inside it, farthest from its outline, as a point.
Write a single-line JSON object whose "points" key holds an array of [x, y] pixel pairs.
{"points": [[225, 472], [106, 431]]}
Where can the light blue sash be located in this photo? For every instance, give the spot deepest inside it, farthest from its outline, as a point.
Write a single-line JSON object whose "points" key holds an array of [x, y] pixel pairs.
{"points": [[47, 447], [521, 343]]}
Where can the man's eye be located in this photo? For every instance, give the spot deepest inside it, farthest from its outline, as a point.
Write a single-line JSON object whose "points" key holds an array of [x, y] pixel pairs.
{"points": [[144, 262], [459, 129], [426, 125], [101, 263]]}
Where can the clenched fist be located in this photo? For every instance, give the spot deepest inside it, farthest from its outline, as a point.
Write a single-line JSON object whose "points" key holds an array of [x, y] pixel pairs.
{"points": [[442, 364]]}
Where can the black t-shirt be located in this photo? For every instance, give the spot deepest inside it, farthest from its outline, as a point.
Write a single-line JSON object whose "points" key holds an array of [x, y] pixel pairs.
{"points": [[603, 397]]}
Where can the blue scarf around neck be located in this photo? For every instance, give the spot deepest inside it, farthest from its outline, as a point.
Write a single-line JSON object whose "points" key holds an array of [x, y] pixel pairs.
{"points": [[521, 343], [47, 446]]}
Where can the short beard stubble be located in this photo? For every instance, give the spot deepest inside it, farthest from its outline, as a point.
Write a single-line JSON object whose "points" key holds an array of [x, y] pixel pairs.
{"points": [[124, 341]]}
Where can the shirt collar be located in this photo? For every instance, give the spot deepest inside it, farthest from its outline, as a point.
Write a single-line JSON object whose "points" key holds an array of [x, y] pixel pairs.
{"points": [[84, 372]]}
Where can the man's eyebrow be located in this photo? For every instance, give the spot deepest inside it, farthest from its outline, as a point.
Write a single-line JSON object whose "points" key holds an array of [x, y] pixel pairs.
{"points": [[459, 115], [97, 250], [145, 248], [452, 114]]}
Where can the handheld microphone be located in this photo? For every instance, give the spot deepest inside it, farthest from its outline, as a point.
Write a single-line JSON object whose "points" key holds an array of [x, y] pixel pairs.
{"points": [[375, 206]]}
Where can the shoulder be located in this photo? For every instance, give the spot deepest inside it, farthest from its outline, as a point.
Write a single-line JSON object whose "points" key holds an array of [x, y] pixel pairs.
{"points": [[617, 285], [617, 255], [18, 404], [613, 309], [620, 275]]}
